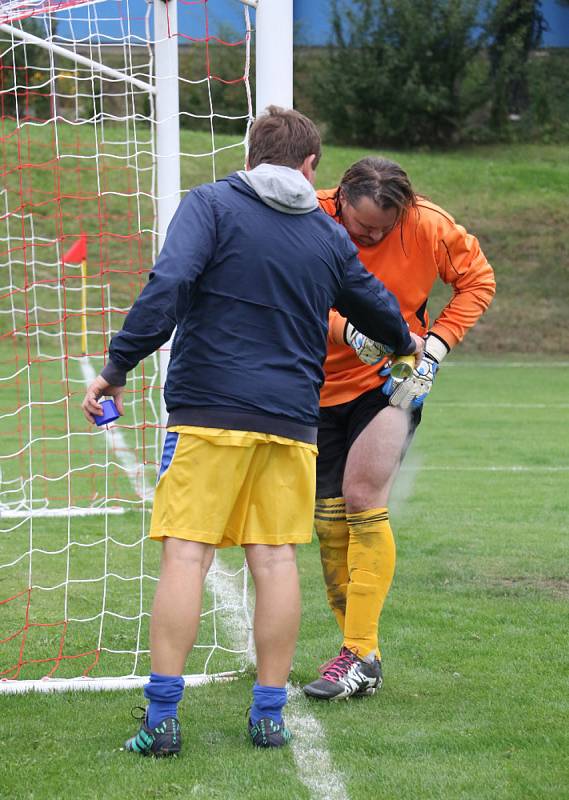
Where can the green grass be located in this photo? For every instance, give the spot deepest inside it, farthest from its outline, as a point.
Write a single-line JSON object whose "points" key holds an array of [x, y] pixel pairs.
{"points": [[475, 701], [474, 637]]}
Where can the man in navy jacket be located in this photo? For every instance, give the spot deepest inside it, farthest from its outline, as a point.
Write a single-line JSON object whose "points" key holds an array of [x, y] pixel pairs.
{"points": [[248, 273]]}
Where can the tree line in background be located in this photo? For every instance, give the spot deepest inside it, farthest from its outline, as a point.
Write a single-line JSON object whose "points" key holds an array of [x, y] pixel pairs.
{"points": [[397, 72], [440, 72]]}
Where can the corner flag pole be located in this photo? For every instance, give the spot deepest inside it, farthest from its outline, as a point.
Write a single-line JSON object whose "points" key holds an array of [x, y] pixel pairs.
{"points": [[84, 307], [77, 254]]}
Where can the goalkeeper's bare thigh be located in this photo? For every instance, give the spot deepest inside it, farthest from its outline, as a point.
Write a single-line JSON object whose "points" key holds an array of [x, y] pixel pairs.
{"points": [[338, 429]]}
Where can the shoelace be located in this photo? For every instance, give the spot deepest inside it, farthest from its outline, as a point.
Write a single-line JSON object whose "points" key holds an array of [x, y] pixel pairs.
{"points": [[336, 668]]}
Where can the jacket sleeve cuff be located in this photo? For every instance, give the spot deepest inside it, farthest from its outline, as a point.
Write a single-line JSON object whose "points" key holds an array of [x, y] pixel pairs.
{"points": [[408, 348], [113, 374]]}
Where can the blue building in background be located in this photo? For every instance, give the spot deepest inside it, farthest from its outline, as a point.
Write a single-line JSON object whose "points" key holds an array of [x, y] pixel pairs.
{"points": [[312, 21], [558, 20], [312, 18]]}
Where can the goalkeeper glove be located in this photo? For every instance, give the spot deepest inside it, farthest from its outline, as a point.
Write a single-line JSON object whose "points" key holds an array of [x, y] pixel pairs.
{"points": [[367, 350], [392, 382], [412, 391]]}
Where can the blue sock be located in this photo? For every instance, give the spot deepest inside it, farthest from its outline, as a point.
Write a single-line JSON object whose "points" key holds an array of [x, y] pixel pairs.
{"points": [[164, 693], [268, 701]]}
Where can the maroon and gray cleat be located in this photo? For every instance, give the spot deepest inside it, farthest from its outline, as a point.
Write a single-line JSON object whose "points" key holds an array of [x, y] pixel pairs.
{"points": [[268, 733], [163, 740], [346, 676]]}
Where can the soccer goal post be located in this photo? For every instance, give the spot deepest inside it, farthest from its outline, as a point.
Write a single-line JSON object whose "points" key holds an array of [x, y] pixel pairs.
{"points": [[110, 110]]}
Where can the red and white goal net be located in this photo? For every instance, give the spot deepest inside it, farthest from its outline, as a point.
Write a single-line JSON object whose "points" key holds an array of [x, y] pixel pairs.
{"points": [[93, 98]]}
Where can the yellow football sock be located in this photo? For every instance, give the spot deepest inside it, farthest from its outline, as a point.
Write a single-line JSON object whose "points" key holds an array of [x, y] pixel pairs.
{"points": [[371, 564], [332, 530]]}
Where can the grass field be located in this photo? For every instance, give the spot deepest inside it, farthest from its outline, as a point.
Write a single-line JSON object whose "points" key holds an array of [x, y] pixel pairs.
{"points": [[475, 702], [474, 632]]}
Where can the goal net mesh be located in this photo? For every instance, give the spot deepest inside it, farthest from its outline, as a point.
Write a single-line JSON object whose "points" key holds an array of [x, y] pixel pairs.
{"points": [[78, 234]]}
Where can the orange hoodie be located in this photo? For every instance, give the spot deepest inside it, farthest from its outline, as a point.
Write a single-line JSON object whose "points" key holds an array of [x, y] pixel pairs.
{"points": [[427, 245]]}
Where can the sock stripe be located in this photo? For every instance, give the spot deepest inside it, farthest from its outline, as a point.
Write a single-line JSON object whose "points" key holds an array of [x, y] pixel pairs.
{"points": [[330, 510], [367, 520]]}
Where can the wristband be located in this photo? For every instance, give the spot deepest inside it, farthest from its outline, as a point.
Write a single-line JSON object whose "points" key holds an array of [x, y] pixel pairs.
{"points": [[435, 347]]}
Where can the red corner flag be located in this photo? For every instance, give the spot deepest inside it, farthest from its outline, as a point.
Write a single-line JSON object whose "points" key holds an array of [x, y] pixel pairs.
{"points": [[77, 252]]}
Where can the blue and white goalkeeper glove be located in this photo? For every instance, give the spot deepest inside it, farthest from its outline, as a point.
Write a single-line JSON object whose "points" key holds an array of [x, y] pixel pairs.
{"points": [[411, 392], [367, 350]]}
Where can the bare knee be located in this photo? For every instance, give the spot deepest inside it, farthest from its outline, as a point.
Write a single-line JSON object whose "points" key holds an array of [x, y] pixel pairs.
{"points": [[186, 555], [361, 495], [266, 559]]}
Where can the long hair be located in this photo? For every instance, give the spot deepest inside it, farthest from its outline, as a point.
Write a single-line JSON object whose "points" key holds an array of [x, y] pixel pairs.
{"points": [[384, 182]]}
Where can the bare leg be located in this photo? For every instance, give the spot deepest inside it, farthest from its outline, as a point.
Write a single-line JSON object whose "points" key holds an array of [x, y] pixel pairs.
{"points": [[373, 461], [277, 610], [177, 603]]}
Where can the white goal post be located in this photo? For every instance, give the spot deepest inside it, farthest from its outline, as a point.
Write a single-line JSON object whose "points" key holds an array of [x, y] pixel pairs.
{"points": [[110, 110]]}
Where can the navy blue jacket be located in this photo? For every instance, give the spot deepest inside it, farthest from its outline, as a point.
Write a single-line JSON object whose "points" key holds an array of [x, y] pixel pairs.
{"points": [[248, 289]]}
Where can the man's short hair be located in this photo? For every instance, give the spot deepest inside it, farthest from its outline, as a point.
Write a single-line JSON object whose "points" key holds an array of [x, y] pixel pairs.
{"points": [[284, 137]]}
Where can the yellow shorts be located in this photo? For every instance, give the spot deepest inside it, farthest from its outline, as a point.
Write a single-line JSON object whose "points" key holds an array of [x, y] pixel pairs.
{"points": [[229, 488]]}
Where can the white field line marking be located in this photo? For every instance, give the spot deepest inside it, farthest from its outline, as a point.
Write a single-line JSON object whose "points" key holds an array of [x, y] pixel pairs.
{"points": [[315, 768], [507, 364], [458, 468], [237, 617], [119, 444], [443, 404], [313, 762]]}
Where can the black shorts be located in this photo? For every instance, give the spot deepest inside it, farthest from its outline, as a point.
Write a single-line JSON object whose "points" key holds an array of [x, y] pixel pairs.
{"points": [[338, 429]]}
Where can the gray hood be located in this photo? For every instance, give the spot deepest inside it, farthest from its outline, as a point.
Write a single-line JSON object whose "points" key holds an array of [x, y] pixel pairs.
{"points": [[282, 188]]}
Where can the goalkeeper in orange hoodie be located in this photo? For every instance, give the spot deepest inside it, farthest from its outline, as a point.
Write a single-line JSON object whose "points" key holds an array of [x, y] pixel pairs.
{"points": [[368, 416]]}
